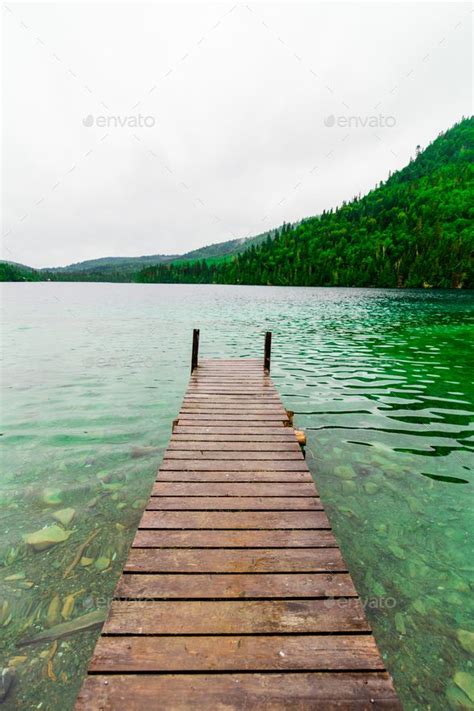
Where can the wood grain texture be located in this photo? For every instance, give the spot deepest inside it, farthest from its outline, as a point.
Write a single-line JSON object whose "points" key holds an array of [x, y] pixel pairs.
{"points": [[282, 652], [233, 503], [337, 691], [249, 477], [238, 585], [261, 465], [240, 456], [236, 617], [234, 539], [241, 429], [180, 444], [232, 434], [234, 519], [229, 560], [164, 488]]}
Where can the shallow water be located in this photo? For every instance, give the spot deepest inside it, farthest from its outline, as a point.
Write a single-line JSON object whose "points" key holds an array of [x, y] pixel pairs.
{"points": [[381, 380]]}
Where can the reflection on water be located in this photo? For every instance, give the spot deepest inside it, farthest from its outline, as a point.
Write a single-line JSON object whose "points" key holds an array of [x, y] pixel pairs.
{"points": [[93, 375]]}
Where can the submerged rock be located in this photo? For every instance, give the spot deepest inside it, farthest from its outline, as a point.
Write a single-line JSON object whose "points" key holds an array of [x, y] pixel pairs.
{"points": [[396, 551], [420, 607], [64, 516], [51, 496], [371, 487], [102, 563], [400, 623], [457, 698], [46, 537], [465, 681], [466, 640], [344, 471]]}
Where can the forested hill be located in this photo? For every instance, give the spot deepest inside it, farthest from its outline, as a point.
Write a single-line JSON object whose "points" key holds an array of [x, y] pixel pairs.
{"points": [[414, 230], [11, 271]]}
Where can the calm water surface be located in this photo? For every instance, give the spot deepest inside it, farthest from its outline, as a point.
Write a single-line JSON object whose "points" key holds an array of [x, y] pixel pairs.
{"points": [[381, 380]]}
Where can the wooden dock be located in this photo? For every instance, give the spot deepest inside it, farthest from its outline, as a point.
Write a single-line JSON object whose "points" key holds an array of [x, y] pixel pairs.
{"points": [[235, 594]]}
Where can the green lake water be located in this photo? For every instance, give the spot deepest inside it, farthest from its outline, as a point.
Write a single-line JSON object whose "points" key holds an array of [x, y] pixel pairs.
{"points": [[382, 382]]}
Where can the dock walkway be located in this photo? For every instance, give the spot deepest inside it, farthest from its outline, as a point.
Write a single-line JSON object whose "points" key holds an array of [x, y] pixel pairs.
{"points": [[235, 594]]}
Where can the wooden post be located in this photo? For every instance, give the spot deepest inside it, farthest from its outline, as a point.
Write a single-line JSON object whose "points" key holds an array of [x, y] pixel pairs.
{"points": [[268, 351], [194, 357]]}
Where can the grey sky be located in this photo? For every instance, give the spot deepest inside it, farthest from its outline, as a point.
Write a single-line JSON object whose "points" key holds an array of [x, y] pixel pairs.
{"points": [[239, 96]]}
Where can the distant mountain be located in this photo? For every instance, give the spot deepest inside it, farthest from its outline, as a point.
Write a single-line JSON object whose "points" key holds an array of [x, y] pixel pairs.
{"points": [[112, 263], [123, 269], [413, 230], [104, 269]]}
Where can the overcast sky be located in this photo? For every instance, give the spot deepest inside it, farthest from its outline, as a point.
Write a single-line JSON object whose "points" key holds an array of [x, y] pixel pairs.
{"points": [[236, 104]]}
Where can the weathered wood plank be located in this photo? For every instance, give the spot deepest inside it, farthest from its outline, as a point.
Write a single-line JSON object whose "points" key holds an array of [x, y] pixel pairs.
{"points": [[233, 466], [287, 652], [234, 362], [247, 378], [235, 560], [302, 691], [235, 434], [227, 391], [233, 503], [238, 447], [234, 519], [321, 538], [247, 404], [238, 585], [222, 455], [266, 419], [282, 477], [266, 433], [236, 617], [234, 414], [246, 422], [163, 488], [199, 394]]}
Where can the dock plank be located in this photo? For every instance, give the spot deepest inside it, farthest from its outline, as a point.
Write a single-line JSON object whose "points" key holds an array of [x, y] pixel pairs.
{"points": [[292, 652], [239, 465], [233, 503], [164, 488], [234, 519], [251, 456], [241, 560], [319, 538], [238, 585], [249, 477], [235, 594], [235, 617], [324, 691]]}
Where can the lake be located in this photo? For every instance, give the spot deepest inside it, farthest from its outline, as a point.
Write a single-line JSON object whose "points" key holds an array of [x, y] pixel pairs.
{"points": [[382, 382]]}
